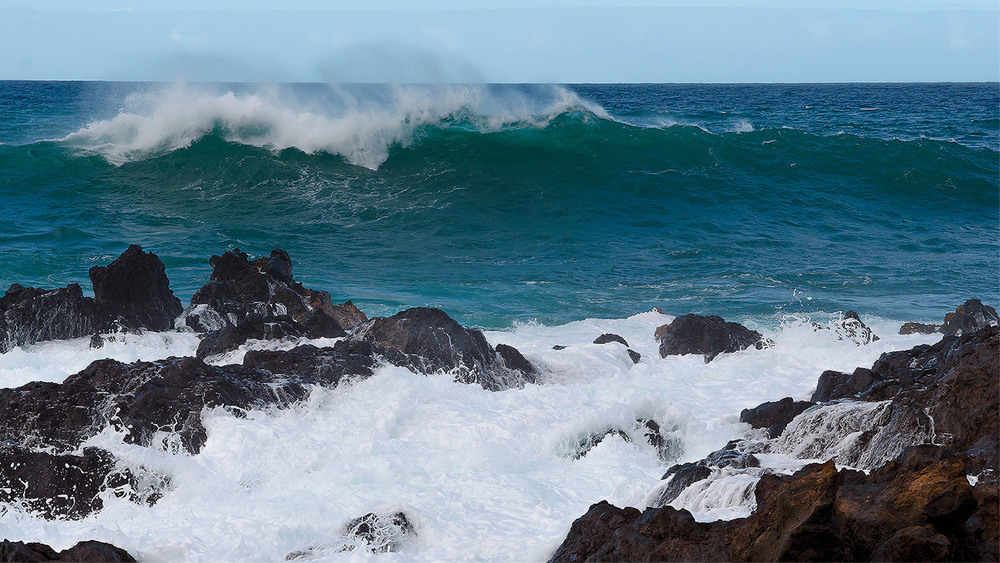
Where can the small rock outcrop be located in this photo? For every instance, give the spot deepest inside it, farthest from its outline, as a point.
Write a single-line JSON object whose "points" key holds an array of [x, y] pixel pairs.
{"points": [[920, 507], [90, 551], [918, 328], [610, 337], [774, 415], [131, 293], [381, 533], [647, 429], [428, 340], [969, 317], [258, 299], [852, 328], [711, 336]]}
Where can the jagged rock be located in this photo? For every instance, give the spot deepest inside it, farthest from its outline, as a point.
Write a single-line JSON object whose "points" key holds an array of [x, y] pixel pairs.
{"points": [[142, 398], [609, 337], [854, 330], [239, 288], [969, 317], [956, 380], [711, 336], [636, 356], [90, 550], [29, 315], [134, 292], [920, 505], [131, 293], [775, 415], [432, 341], [559, 347], [230, 337], [918, 328]]}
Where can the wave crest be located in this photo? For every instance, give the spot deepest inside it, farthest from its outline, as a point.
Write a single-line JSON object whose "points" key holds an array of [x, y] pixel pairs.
{"points": [[337, 120]]}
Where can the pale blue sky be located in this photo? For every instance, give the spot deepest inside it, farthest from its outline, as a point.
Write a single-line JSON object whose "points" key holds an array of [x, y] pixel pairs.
{"points": [[512, 41]]}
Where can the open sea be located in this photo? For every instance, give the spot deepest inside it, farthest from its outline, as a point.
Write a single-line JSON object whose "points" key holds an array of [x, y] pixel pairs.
{"points": [[542, 214]]}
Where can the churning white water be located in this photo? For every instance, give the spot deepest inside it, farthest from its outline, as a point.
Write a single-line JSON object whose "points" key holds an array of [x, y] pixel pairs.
{"points": [[483, 476]]}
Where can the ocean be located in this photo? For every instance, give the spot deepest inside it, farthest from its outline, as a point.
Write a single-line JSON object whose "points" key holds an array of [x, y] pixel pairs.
{"points": [[542, 214]]}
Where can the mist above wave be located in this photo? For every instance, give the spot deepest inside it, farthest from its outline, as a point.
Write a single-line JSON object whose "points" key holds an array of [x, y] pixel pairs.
{"points": [[360, 123]]}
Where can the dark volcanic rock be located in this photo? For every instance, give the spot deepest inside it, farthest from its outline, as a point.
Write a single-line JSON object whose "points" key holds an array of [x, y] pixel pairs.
{"points": [[644, 428], [131, 293], [58, 486], [919, 506], [142, 398], [239, 288], [609, 337], [432, 341], [969, 317], [90, 551], [853, 329], [711, 336], [957, 382], [636, 356], [513, 359], [683, 475], [319, 366], [230, 337], [918, 328], [134, 292], [774, 416], [29, 315]]}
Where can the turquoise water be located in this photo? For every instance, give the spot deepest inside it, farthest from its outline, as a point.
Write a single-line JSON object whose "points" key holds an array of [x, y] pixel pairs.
{"points": [[515, 203]]}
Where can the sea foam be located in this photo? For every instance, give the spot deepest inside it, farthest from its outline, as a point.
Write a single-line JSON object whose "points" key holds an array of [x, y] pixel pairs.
{"points": [[482, 475]]}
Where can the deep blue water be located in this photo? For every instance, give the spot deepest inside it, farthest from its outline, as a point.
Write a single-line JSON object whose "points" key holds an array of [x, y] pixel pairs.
{"points": [[504, 203]]}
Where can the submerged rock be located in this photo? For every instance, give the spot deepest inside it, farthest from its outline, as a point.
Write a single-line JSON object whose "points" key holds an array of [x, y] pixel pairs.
{"points": [[90, 550], [428, 340], [711, 336], [375, 533], [919, 507], [131, 293], [648, 430]]}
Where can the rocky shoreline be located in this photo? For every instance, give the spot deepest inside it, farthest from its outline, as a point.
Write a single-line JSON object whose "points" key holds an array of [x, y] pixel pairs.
{"points": [[931, 412]]}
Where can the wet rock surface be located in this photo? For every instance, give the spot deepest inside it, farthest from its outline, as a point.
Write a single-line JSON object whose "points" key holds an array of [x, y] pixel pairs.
{"points": [[375, 533], [610, 337], [61, 485], [970, 316], [918, 328], [131, 293], [90, 551], [239, 288], [774, 415], [428, 340], [920, 507], [143, 399], [644, 430], [711, 336]]}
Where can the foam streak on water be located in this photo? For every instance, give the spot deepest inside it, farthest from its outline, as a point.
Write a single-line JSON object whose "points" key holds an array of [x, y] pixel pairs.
{"points": [[485, 476]]}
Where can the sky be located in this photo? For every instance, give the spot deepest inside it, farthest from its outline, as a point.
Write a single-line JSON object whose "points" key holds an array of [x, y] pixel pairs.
{"points": [[492, 41]]}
